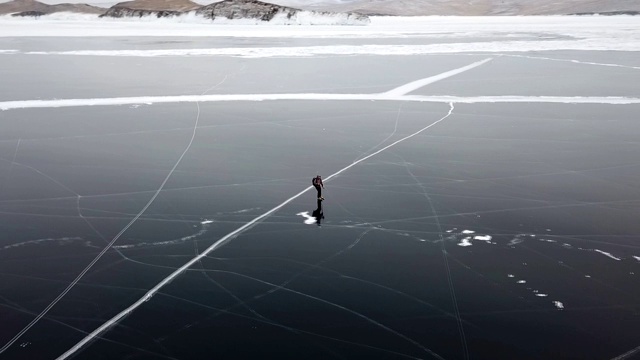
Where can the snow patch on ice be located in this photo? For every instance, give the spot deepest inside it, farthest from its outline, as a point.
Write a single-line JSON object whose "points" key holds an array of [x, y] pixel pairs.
{"points": [[414, 85], [467, 241], [205, 222], [510, 275], [541, 295], [486, 238], [607, 254], [637, 258], [308, 219], [559, 305], [522, 281]]}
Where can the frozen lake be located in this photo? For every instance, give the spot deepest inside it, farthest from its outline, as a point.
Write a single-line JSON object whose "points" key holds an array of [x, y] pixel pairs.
{"points": [[481, 175]]}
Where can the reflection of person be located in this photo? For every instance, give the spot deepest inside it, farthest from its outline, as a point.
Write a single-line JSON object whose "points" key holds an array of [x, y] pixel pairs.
{"points": [[317, 183], [318, 214]]}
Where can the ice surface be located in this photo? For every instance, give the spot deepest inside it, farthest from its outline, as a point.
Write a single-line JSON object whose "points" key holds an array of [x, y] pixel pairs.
{"points": [[347, 50], [229, 152]]}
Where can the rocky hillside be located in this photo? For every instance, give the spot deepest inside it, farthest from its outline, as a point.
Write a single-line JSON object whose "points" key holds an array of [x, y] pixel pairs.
{"points": [[245, 9], [254, 9], [36, 8], [227, 9]]}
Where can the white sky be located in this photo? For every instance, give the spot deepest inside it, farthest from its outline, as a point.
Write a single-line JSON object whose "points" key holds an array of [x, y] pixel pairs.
{"points": [[109, 3]]}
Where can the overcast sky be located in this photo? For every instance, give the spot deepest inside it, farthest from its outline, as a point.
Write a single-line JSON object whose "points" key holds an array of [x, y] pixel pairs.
{"points": [[108, 3]]}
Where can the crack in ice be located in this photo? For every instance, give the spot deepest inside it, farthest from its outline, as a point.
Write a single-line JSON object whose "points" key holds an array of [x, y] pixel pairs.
{"points": [[574, 61]]}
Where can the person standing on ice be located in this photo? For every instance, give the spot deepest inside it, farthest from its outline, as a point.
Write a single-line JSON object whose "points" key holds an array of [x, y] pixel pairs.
{"points": [[317, 183]]}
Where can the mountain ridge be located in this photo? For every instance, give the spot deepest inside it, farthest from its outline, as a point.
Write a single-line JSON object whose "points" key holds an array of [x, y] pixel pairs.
{"points": [[36, 8], [367, 7]]}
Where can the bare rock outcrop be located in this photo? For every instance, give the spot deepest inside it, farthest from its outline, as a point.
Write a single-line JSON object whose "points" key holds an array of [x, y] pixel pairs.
{"points": [[254, 9], [30, 13], [120, 12], [245, 9], [228, 9]]}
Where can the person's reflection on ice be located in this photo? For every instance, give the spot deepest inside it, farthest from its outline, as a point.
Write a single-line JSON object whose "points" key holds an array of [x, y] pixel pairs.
{"points": [[318, 214]]}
